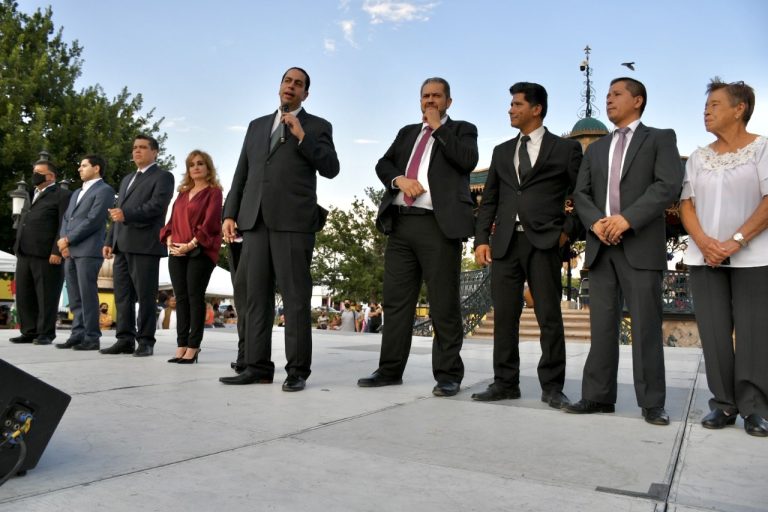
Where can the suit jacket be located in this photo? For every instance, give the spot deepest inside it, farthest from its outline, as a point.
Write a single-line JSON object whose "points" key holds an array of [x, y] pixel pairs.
{"points": [[539, 199], [85, 223], [454, 155], [651, 179], [282, 184], [144, 207], [39, 223]]}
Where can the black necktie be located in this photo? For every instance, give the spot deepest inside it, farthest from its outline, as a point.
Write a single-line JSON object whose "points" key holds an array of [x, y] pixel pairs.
{"points": [[524, 160]]}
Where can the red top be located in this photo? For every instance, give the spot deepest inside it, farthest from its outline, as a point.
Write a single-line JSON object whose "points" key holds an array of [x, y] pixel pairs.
{"points": [[199, 218]]}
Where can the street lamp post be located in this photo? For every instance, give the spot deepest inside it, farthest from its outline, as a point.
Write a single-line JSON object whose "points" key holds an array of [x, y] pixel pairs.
{"points": [[19, 201]]}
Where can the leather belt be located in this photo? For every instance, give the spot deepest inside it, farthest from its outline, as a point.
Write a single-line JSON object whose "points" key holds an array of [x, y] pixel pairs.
{"points": [[410, 210], [519, 227]]}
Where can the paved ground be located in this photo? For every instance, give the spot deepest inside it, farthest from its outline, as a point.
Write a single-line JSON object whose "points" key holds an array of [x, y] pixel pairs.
{"points": [[141, 434]]}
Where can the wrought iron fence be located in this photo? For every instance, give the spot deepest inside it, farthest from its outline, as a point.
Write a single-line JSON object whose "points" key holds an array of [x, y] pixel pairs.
{"points": [[676, 299], [475, 295]]}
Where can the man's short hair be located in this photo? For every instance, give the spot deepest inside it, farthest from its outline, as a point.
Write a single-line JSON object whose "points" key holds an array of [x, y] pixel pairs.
{"points": [[94, 159], [438, 80], [533, 93], [738, 92], [635, 88], [306, 76], [48, 164], [152, 141]]}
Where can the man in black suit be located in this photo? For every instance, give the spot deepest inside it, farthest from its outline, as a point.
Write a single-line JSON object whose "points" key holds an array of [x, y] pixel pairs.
{"points": [[427, 212], [273, 203], [83, 230], [626, 181], [528, 181], [39, 273], [134, 241]]}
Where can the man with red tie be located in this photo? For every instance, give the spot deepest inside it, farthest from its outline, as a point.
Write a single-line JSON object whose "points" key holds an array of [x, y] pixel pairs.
{"points": [[427, 212]]}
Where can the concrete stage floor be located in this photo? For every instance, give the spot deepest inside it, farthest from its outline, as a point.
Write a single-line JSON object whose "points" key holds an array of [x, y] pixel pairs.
{"points": [[144, 435]]}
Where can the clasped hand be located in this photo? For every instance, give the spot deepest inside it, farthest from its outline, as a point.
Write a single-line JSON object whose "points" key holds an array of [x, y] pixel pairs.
{"points": [[610, 229]]}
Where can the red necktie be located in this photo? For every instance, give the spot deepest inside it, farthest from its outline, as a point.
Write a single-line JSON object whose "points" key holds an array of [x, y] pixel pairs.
{"points": [[413, 166]]}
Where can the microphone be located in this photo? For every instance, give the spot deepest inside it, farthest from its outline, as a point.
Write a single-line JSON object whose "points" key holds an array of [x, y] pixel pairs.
{"points": [[283, 108]]}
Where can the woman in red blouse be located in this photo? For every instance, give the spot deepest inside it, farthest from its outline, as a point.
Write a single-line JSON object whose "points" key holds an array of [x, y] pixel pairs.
{"points": [[193, 237]]}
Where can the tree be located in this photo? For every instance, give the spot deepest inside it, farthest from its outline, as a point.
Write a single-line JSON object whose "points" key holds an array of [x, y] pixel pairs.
{"points": [[349, 252], [40, 109]]}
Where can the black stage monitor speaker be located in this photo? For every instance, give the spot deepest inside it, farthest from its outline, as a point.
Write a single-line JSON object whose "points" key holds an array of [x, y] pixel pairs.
{"points": [[22, 393]]}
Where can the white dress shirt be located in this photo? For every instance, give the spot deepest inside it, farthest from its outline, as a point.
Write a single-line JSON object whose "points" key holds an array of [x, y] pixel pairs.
{"points": [[614, 140], [425, 199], [86, 185]]}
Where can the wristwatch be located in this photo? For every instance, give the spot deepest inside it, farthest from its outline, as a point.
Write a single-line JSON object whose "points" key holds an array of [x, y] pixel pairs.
{"points": [[739, 239]]}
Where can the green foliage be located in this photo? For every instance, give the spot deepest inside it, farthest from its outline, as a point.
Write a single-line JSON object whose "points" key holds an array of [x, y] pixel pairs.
{"points": [[349, 252], [40, 109]]}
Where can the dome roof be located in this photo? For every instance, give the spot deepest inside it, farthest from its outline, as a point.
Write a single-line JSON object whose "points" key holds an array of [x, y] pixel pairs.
{"points": [[589, 124]]}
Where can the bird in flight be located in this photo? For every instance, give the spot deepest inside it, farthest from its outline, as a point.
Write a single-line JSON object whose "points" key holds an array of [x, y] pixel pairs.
{"points": [[630, 65]]}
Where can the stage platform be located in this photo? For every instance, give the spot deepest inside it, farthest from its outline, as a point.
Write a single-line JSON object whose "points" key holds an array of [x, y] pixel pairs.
{"points": [[144, 435]]}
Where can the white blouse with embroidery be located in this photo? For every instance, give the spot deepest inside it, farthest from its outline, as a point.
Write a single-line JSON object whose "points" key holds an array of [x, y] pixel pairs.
{"points": [[726, 190]]}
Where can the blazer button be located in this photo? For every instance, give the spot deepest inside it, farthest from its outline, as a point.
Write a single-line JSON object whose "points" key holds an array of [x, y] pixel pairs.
{"points": [[519, 192]]}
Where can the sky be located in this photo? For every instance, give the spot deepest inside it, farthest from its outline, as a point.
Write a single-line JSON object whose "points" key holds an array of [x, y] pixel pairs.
{"points": [[209, 68]]}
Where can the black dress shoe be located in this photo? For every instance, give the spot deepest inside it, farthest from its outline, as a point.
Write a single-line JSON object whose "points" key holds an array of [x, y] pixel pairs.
{"points": [[69, 343], [496, 392], [585, 406], [22, 339], [717, 419], [144, 351], [121, 347], [247, 376], [42, 340], [376, 380], [656, 416], [555, 399], [86, 345], [446, 388], [238, 367], [756, 425], [294, 383]]}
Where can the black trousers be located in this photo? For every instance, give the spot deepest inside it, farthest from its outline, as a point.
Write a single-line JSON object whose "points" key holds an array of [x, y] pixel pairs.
{"points": [[416, 250], [135, 279], [233, 255], [611, 280], [38, 288], [541, 268], [732, 300], [282, 258], [190, 276]]}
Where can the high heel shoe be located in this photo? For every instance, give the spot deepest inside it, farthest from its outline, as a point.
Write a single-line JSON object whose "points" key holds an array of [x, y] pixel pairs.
{"points": [[184, 360], [175, 359]]}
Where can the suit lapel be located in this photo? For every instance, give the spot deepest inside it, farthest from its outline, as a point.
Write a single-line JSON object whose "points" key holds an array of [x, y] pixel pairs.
{"points": [[547, 143], [41, 196], [634, 146], [141, 181], [74, 198]]}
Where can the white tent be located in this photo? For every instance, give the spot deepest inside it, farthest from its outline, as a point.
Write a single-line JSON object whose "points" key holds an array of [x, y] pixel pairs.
{"points": [[220, 284], [7, 262]]}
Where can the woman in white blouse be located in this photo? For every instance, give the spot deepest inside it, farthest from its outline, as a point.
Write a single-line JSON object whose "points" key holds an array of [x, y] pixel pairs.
{"points": [[724, 208]]}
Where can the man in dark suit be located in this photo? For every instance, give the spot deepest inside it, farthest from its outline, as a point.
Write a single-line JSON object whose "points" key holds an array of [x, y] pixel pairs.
{"points": [[83, 230], [626, 181], [427, 212], [528, 181], [273, 203], [134, 241], [39, 273]]}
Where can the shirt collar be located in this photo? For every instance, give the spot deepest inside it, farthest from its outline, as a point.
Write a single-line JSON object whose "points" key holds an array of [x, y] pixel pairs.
{"points": [[632, 127]]}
